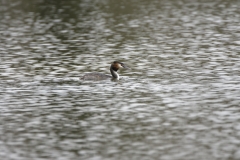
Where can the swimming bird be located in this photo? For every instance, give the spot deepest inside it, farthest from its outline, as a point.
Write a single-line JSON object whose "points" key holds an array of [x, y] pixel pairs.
{"points": [[115, 66]]}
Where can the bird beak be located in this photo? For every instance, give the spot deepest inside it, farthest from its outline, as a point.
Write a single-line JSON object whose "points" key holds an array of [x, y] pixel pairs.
{"points": [[126, 67]]}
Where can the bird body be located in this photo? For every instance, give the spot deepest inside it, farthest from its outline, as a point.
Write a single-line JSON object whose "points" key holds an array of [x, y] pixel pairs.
{"points": [[115, 66]]}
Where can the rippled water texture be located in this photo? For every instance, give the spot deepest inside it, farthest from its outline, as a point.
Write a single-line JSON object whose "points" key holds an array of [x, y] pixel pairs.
{"points": [[180, 101]]}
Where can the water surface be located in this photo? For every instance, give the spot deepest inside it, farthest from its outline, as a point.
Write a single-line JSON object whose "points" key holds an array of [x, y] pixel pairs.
{"points": [[180, 100]]}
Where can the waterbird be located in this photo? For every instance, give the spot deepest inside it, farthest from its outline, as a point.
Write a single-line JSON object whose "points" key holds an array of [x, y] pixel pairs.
{"points": [[114, 67]]}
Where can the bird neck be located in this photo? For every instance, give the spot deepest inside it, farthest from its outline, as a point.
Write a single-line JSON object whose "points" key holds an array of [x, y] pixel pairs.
{"points": [[114, 74]]}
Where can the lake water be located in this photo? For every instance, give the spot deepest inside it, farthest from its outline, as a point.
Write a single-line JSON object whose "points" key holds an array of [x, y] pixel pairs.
{"points": [[180, 100]]}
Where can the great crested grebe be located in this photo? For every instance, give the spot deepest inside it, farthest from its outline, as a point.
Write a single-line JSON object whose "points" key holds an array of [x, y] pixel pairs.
{"points": [[115, 66]]}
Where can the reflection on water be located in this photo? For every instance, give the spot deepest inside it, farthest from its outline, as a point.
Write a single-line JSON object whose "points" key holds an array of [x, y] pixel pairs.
{"points": [[179, 101]]}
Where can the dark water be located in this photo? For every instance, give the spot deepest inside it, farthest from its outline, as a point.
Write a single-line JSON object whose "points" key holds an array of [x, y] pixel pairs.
{"points": [[180, 101]]}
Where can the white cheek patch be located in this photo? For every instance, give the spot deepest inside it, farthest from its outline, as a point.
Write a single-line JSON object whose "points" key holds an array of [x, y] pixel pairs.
{"points": [[120, 66]]}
